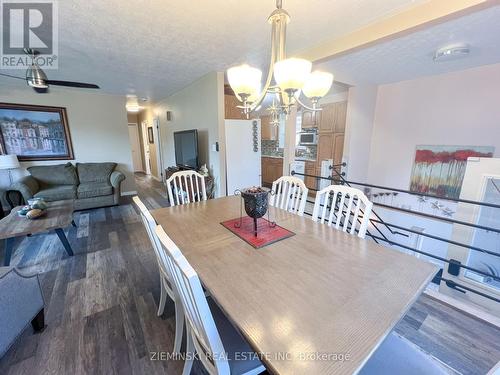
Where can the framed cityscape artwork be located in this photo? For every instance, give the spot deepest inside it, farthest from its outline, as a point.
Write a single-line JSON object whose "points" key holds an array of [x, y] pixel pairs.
{"points": [[35, 132]]}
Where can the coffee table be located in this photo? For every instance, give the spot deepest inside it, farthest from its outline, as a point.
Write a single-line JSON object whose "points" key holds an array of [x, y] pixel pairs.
{"points": [[59, 215]]}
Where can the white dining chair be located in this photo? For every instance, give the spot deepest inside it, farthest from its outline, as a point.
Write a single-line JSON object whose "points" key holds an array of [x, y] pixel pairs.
{"points": [[166, 284], [210, 334], [289, 193], [342, 206], [186, 187]]}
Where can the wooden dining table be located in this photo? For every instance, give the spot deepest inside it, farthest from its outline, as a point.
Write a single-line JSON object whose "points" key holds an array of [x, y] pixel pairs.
{"points": [[319, 302]]}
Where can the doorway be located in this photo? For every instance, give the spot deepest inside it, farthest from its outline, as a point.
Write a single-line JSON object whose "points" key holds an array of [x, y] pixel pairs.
{"points": [[145, 145], [135, 145]]}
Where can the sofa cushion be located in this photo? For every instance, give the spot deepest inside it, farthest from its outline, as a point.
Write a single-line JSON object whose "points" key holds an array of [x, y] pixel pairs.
{"points": [[57, 193], [95, 172], [94, 189], [50, 175]]}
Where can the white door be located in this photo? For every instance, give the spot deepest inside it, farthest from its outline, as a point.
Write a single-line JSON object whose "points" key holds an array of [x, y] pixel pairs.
{"points": [[133, 134], [145, 146], [481, 183], [243, 154]]}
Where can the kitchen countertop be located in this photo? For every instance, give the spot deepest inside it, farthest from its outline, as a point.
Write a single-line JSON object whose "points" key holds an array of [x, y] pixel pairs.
{"points": [[272, 156], [281, 157], [304, 159]]}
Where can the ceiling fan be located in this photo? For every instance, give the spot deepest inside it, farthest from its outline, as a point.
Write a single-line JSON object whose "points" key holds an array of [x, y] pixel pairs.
{"points": [[36, 77]]}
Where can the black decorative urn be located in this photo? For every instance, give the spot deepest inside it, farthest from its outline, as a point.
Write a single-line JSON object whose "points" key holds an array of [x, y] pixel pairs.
{"points": [[256, 203]]}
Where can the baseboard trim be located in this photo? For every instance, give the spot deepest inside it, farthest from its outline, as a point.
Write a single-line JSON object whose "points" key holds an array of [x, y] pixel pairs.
{"points": [[127, 193], [464, 307], [156, 178]]}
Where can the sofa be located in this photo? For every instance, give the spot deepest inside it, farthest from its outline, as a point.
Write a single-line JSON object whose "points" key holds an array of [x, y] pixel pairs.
{"points": [[91, 185]]}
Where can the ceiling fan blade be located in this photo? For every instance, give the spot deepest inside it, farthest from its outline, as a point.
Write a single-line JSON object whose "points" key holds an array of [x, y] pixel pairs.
{"points": [[72, 84], [11, 76]]}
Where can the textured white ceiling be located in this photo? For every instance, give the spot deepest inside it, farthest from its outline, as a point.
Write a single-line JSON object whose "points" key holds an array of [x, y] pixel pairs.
{"points": [[155, 47], [411, 56]]}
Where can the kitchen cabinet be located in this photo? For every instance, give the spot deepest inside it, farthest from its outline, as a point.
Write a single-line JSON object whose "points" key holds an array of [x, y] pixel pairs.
{"points": [[272, 169], [325, 146], [330, 146], [340, 117], [265, 129], [311, 182], [268, 131], [327, 120], [333, 118], [231, 111], [331, 133], [338, 148], [310, 119]]}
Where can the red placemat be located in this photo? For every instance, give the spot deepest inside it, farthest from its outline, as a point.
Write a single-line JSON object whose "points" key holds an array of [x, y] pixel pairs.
{"points": [[266, 234]]}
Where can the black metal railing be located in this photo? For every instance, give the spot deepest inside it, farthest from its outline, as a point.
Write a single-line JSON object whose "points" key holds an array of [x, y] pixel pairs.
{"points": [[377, 223]]}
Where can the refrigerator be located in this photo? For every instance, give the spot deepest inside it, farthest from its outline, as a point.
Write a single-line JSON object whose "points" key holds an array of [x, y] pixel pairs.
{"points": [[243, 154]]}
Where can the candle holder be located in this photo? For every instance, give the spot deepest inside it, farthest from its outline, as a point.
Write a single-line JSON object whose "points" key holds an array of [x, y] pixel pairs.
{"points": [[256, 202]]}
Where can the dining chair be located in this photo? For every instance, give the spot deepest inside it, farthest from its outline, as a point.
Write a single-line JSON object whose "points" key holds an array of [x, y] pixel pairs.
{"points": [[166, 285], [341, 205], [289, 193], [211, 337], [186, 187], [396, 355]]}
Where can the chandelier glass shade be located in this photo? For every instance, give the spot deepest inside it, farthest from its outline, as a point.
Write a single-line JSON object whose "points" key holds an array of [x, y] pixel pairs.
{"points": [[245, 81], [291, 76], [317, 85]]}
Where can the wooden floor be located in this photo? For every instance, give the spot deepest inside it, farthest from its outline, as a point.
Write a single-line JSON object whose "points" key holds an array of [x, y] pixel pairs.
{"points": [[101, 305]]}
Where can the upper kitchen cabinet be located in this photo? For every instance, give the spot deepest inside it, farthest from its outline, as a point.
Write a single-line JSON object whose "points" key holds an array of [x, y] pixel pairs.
{"points": [[340, 117], [331, 132], [310, 119], [327, 120], [333, 117], [231, 111], [266, 129]]}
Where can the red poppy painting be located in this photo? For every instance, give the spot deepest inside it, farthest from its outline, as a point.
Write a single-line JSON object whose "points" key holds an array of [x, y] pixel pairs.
{"points": [[440, 170]]}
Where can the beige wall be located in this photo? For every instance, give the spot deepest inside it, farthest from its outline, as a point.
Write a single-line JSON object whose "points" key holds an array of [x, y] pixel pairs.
{"points": [[460, 108], [199, 106], [97, 122], [385, 123], [361, 103]]}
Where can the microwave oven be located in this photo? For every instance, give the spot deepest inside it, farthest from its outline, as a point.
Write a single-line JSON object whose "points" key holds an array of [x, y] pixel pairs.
{"points": [[308, 138]]}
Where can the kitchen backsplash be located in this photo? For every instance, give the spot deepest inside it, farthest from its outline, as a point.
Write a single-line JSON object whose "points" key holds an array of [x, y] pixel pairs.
{"points": [[271, 148], [306, 152]]}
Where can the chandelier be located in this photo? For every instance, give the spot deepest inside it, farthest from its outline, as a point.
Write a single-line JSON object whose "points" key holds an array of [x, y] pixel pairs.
{"points": [[292, 76]]}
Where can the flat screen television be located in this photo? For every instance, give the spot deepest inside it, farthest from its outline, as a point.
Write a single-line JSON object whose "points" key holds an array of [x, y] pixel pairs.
{"points": [[186, 149]]}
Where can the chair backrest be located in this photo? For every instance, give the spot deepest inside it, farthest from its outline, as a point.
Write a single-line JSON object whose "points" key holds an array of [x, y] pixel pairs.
{"points": [[342, 206], [150, 225], [201, 323], [186, 187], [289, 193]]}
